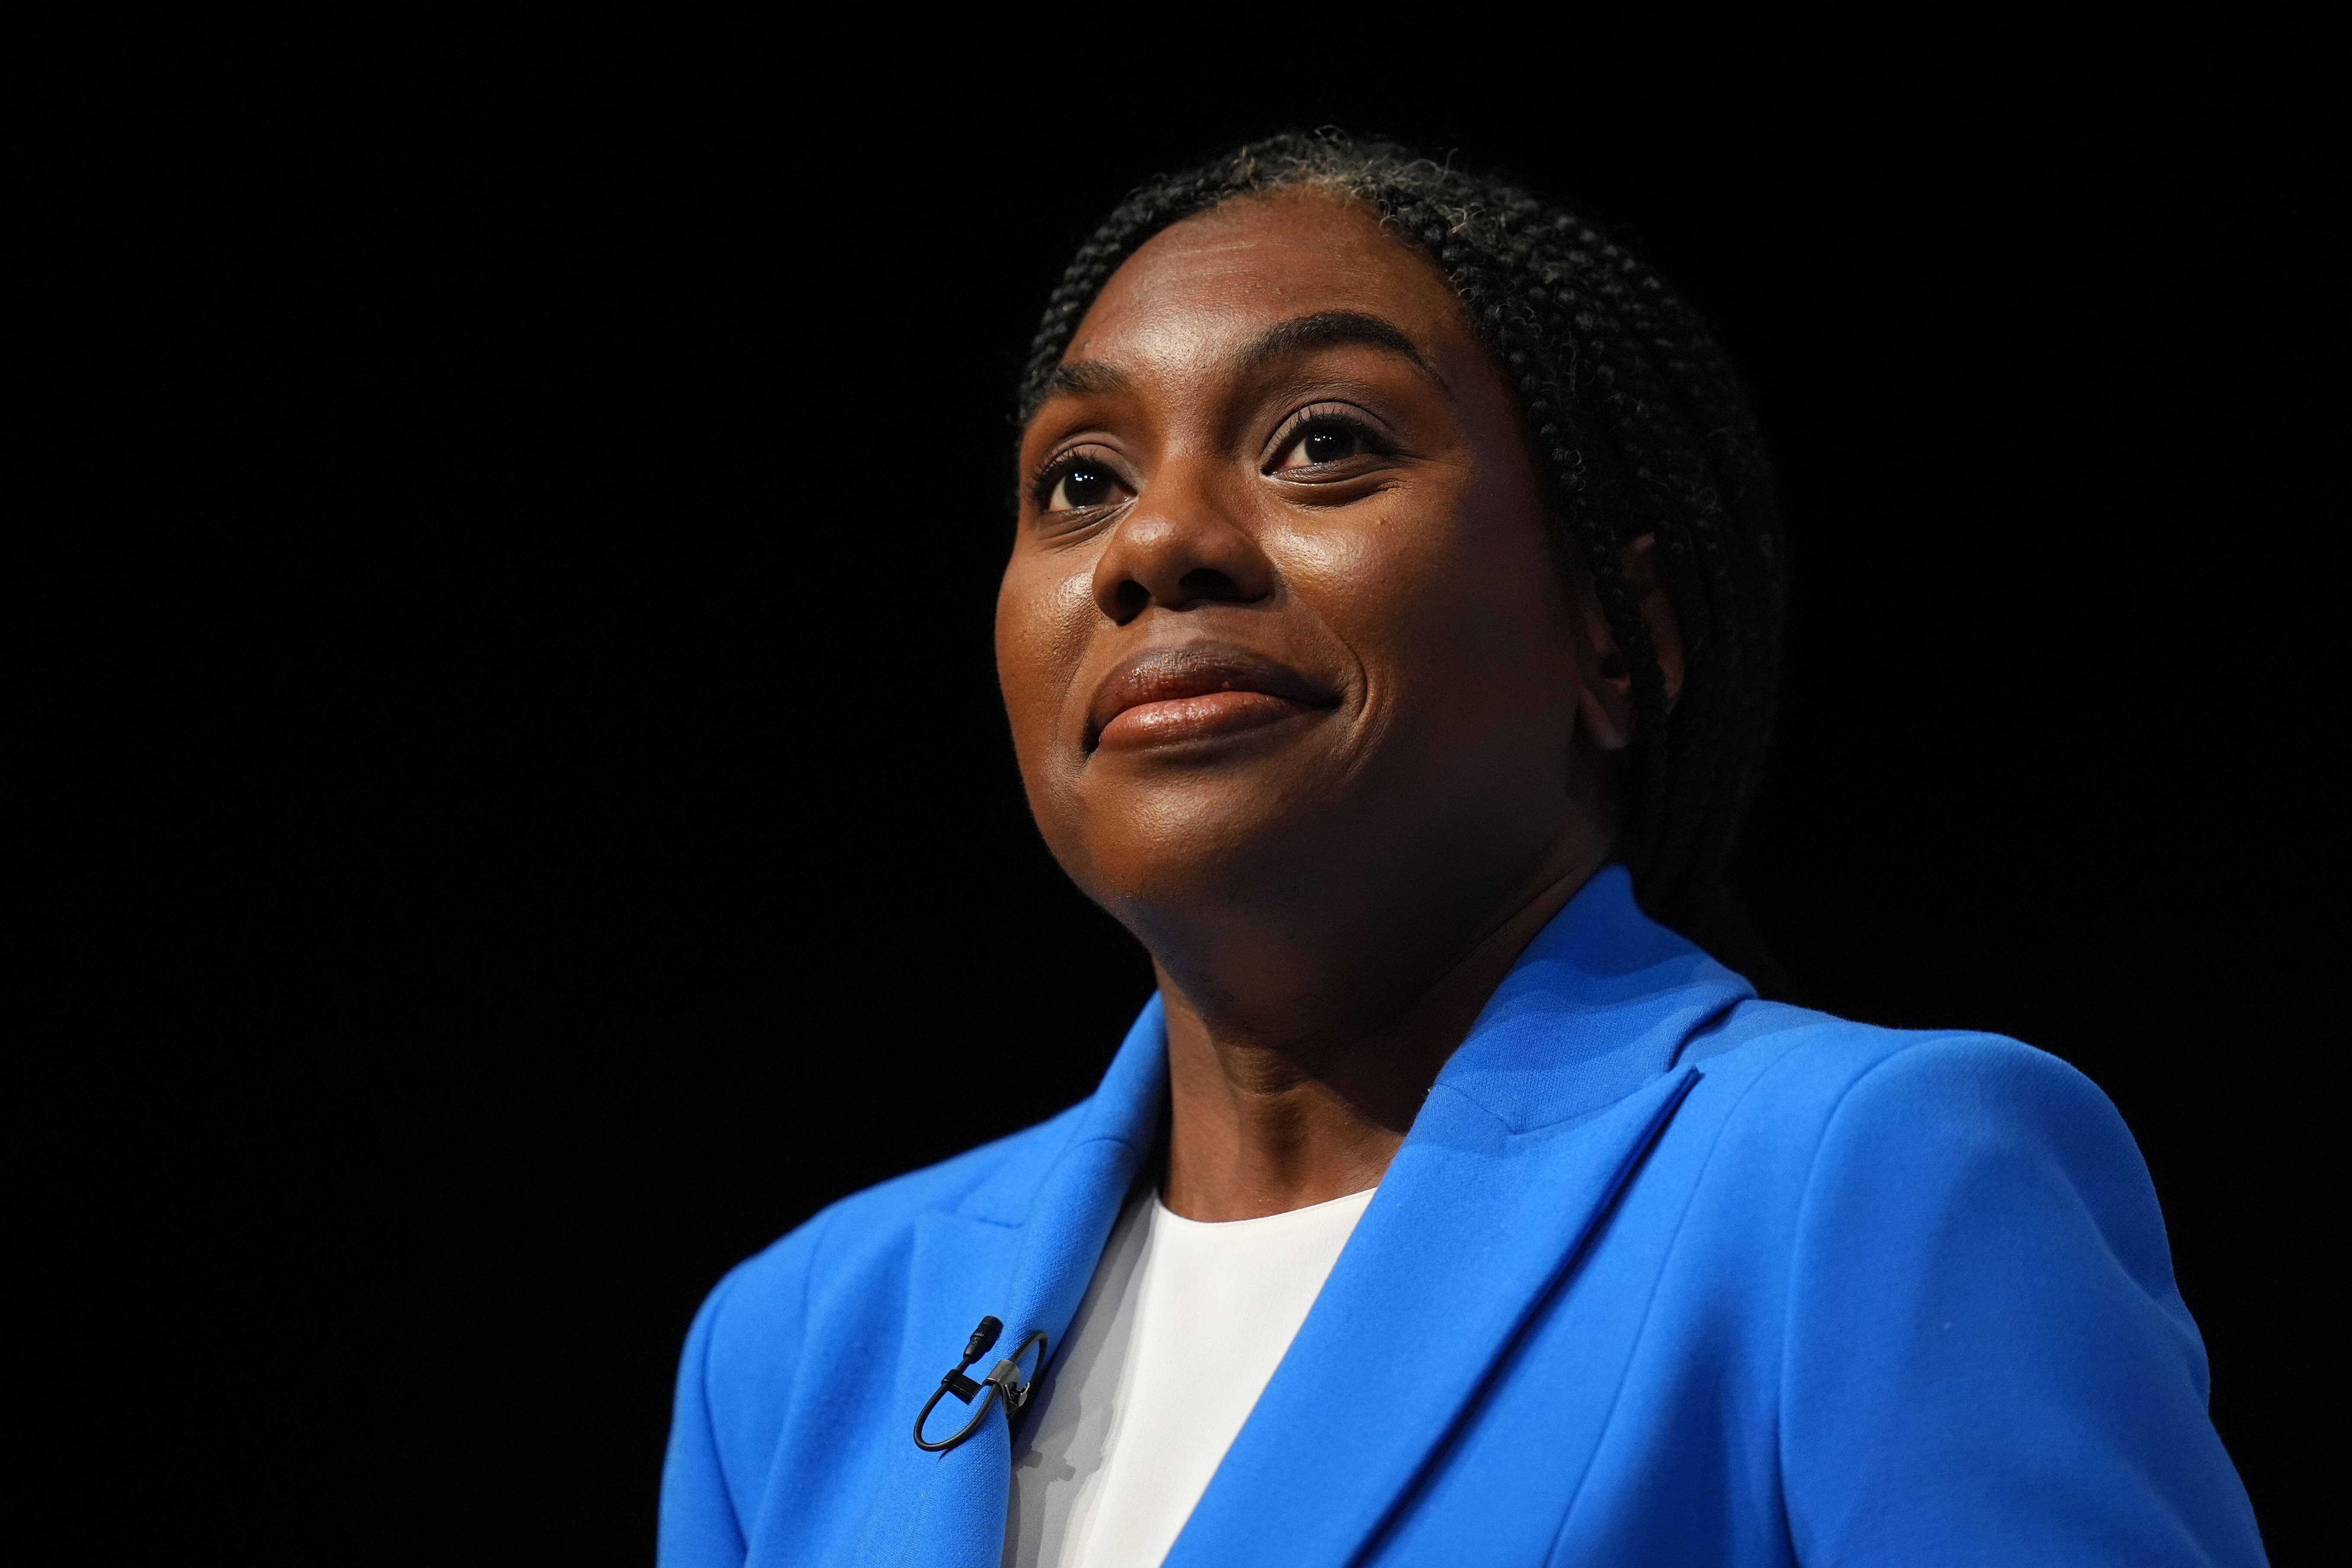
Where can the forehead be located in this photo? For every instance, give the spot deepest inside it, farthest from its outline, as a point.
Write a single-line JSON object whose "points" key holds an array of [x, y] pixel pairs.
{"points": [[1227, 274]]}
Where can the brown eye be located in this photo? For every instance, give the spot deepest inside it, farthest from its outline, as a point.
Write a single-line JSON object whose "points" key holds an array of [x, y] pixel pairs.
{"points": [[1329, 445], [1320, 444], [1083, 485]]}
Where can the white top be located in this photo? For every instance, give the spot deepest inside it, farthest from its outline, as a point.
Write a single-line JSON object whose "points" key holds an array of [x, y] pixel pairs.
{"points": [[1179, 1333]]}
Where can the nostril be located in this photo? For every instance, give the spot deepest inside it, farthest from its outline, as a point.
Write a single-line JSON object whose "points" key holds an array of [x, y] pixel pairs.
{"points": [[1131, 597]]}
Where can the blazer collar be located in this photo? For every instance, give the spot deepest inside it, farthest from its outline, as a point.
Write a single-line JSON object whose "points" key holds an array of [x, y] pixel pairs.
{"points": [[1533, 1126], [1599, 1004], [1054, 1199]]}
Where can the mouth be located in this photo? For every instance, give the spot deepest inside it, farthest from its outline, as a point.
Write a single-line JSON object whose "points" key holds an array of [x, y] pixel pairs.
{"points": [[1196, 691]]}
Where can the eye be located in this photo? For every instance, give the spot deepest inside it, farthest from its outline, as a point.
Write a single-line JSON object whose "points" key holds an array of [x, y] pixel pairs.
{"points": [[1083, 485], [1321, 442]]}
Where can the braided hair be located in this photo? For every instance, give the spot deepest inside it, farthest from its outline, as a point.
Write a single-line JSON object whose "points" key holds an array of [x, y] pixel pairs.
{"points": [[1641, 428]]}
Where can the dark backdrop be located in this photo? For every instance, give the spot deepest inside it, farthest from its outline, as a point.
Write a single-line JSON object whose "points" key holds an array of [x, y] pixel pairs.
{"points": [[606, 848]]}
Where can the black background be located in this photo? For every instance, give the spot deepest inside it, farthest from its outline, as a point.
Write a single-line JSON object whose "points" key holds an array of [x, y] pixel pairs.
{"points": [[577, 826]]}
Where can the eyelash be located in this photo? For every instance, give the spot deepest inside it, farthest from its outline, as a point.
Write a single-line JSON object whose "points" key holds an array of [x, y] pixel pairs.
{"points": [[1058, 468], [1326, 417]]}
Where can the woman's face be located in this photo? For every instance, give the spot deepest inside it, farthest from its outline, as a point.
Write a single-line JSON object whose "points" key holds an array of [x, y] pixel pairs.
{"points": [[1282, 604]]}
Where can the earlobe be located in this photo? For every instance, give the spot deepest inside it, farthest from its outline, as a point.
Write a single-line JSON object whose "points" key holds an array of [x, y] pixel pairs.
{"points": [[1605, 708], [1605, 705]]}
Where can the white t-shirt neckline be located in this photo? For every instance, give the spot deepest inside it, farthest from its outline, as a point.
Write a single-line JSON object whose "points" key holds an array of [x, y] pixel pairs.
{"points": [[1182, 1328], [1306, 1218]]}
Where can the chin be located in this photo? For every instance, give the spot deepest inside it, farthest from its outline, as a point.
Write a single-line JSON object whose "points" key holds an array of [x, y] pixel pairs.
{"points": [[1201, 839]]}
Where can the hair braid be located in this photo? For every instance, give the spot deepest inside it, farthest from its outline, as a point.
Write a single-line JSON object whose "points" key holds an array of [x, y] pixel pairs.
{"points": [[1642, 430]]}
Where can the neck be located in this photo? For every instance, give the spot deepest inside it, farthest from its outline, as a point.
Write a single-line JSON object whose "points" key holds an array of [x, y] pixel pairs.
{"points": [[1303, 1094]]}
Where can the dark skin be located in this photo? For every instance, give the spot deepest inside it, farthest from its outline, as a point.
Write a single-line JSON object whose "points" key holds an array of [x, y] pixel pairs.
{"points": [[1301, 689]]}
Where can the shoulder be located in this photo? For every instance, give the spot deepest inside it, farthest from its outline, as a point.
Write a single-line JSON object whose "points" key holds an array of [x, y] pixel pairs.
{"points": [[1980, 1342], [1795, 1054], [748, 1347], [1803, 1069], [763, 1299], [1860, 1127], [1887, 1144]]}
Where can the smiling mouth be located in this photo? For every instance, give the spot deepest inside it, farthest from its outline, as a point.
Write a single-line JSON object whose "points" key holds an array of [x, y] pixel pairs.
{"points": [[1196, 691]]}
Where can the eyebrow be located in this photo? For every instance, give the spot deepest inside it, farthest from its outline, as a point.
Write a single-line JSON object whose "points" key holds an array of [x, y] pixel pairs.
{"points": [[1323, 329], [1337, 328], [1084, 378]]}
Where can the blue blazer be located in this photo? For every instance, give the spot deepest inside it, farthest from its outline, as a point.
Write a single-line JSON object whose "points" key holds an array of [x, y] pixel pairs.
{"points": [[1661, 1274]]}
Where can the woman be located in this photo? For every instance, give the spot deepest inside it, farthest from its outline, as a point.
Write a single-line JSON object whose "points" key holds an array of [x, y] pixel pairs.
{"points": [[1389, 641]]}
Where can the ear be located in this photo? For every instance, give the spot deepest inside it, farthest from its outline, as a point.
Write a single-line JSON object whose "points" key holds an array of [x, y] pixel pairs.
{"points": [[1605, 705]]}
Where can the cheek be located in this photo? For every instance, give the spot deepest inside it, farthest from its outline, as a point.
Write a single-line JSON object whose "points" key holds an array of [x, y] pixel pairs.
{"points": [[1436, 582], [1044, 608], [1455, 607]]}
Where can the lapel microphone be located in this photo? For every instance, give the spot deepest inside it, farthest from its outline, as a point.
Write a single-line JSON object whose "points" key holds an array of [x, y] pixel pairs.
{"points": [[1003, 1382]]}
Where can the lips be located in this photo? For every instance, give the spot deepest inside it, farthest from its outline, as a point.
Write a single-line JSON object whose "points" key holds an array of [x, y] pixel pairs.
{"points": [[1195, 691]]}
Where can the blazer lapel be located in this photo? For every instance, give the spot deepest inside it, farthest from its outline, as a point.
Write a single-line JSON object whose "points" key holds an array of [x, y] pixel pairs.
{"points": [[1533, 1128], [949, 1509]]}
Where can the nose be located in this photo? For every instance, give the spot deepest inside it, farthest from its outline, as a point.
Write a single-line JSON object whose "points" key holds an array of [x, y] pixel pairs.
{"points": [[1178, 549]]}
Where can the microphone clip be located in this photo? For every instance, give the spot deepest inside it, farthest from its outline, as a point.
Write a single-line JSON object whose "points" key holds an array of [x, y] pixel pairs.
{"points": [[1003, 1383]]}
